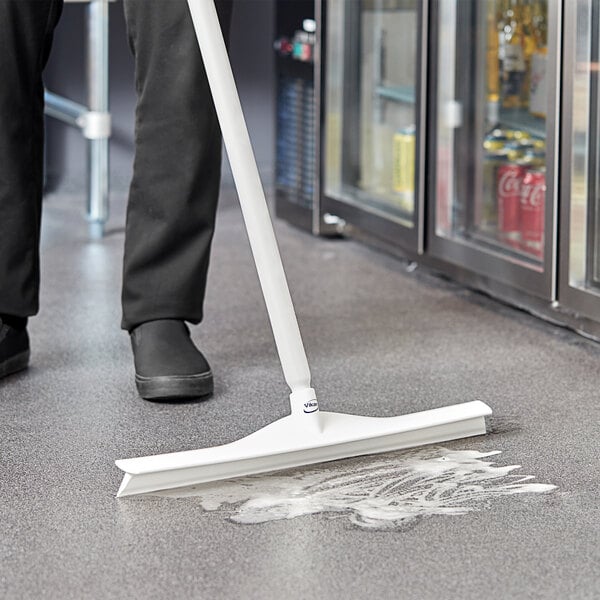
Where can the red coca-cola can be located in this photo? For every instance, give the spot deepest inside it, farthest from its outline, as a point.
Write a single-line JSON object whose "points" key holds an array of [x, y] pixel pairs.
{"points": [[533, 201], [509, 181]]}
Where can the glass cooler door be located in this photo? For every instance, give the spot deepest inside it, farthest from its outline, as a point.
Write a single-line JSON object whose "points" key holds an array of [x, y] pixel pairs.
{"points": [[580, 214], [493, 140], [374, 58]]}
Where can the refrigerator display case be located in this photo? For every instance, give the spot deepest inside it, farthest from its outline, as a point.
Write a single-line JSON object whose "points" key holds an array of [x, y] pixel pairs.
{"points": [[373, 113], [579, 285], [493, 163], [438, 128]]}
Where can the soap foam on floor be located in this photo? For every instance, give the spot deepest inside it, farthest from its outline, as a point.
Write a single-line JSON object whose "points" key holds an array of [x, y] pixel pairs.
{"points": [[379, 492]]}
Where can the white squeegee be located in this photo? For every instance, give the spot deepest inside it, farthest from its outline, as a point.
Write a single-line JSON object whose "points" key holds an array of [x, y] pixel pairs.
{"points": [[307, 436]]}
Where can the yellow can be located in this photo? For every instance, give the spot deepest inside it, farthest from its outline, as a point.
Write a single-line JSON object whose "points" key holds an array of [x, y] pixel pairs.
{"points": [[404, 152]]}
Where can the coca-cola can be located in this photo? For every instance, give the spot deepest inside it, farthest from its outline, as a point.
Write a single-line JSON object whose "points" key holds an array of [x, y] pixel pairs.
{"points": [[509, 180], [533, 200]]}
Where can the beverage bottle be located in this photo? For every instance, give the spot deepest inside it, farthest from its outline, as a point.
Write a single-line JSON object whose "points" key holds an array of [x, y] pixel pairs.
{"points": [[502, 9], [493, 66], [514, 68], [539, 59], [529, 48], [540, 23]]}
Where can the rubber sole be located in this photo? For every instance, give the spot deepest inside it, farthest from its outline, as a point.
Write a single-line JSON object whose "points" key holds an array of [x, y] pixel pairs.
{"points": [[174, 387], [14, 364]]}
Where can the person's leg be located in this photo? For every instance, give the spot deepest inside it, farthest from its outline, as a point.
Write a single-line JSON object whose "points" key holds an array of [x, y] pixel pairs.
{"points": [[26, 28], [172, 200], [176, 176]]}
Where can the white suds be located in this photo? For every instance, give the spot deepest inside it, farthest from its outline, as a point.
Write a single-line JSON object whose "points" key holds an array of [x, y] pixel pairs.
{"points": [[377, 492]]}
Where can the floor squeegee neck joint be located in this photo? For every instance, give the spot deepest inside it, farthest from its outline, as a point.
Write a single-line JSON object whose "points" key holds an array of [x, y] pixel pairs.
{"points": [[304, 401]]}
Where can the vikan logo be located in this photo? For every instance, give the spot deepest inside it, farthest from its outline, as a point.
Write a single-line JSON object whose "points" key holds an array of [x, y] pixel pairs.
{"points": [[311, 407]]}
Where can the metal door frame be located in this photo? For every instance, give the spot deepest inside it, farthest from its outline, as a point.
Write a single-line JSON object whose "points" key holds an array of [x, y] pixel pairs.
{"points": [[469, 255], [584, 301]]}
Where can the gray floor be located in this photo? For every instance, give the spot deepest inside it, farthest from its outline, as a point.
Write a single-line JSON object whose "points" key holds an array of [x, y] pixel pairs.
{"points": [[381, 341]]}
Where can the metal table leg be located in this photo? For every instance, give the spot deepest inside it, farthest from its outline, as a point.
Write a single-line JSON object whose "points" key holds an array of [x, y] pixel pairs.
{"points": [[97, 59], [94, 120]]}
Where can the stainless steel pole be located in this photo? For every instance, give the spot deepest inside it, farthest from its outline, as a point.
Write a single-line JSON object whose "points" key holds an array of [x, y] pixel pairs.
{"points": [[98, 119]]}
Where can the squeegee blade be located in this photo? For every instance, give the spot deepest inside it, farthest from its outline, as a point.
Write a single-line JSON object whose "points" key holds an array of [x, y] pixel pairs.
{"points": [[284, 444]]}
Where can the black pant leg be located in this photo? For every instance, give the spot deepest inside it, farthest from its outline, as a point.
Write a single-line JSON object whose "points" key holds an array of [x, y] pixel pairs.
{"points": [[177, 166], [26, 28]]}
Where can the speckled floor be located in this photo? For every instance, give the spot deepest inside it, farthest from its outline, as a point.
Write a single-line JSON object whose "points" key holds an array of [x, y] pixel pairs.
{"points": [[380, 341]]}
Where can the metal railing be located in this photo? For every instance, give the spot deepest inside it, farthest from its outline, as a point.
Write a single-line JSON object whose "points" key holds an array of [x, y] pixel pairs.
{"points": [[94, 120]]}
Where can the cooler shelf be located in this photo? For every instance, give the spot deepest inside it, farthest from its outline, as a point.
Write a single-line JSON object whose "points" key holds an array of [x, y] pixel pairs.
{"points": [[404, 93], [522, 119]]}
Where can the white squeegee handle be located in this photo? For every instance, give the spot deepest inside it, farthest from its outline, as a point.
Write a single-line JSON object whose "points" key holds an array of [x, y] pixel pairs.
{"points": [[254, 206]]}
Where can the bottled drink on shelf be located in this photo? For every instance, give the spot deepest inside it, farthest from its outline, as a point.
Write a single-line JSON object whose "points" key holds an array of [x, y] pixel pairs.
{"points": [[539, 19], [539, 60], [538, 86], [513, 66], [529, 48], [493, 66]]}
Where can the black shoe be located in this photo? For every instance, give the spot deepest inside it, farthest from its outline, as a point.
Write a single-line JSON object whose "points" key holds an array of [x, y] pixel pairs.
{"points": [[167, 364], [14, 345]]}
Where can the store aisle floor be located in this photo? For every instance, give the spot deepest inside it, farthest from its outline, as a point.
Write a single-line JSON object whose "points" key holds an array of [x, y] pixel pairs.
{"points": [[381, 340]]}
